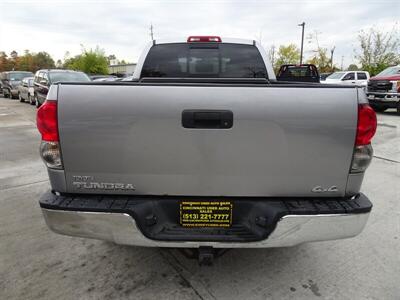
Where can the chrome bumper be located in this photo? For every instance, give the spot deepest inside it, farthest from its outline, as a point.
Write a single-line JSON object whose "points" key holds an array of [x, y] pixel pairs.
{"points": [[121, 228], [388, 96]]}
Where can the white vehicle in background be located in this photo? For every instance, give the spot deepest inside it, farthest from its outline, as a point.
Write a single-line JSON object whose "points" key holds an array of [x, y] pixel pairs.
{"points": [[349, 77]]}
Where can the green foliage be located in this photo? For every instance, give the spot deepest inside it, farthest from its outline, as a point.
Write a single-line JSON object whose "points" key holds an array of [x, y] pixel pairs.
{"points": [[287, 55], [5, 62], [379, 49], [352, 67], [321, 60], [43, 60], [27, 62], [90, 61]]}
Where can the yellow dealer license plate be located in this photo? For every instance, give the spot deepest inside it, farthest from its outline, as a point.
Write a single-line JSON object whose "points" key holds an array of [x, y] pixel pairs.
{"points": [[206, 213]]}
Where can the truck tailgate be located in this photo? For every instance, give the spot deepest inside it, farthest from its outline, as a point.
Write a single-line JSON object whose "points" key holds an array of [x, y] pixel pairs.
{"points": [[129, 139]]}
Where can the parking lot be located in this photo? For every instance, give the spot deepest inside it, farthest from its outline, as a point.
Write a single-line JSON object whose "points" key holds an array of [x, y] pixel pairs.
{"points": [[36, 263]]}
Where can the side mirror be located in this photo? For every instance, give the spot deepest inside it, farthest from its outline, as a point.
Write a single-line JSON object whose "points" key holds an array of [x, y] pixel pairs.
{"points": [[44, 82]]}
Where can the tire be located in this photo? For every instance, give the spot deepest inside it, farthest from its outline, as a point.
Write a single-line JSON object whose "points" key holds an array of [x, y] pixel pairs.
{"points": [[31, 102], [37, 102], [398, 108], [20, 98], [6, 95]]}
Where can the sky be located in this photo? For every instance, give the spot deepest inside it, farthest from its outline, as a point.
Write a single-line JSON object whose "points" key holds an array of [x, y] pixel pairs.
{"points": [[122, 28]]}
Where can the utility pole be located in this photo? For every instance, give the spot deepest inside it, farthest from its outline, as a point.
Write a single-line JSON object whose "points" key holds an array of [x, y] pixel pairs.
{"points": [[302, 41], [151, 32], [332, 50], [341, 67]]}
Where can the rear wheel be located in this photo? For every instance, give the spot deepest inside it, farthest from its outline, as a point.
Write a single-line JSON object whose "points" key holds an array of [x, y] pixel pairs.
{"points": [[7, 94], [398, 108]]}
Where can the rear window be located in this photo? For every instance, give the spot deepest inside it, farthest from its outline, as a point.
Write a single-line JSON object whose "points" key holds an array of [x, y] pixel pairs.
{"points": [[297, 71], [18, 76], [361, 76], [68, 76], [208, 60]]}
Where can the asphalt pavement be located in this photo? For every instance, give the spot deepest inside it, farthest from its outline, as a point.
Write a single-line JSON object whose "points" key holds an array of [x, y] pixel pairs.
{"points": [[36, 263]]}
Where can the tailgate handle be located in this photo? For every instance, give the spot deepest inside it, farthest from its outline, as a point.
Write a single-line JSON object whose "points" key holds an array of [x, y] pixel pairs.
{"points": [[210, 119]]}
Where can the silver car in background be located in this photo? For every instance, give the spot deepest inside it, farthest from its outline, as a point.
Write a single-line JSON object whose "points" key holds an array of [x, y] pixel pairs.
{"points": [[25, 90]]}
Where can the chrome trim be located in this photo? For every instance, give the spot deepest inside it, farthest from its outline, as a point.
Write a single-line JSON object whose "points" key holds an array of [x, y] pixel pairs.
{"points": [[383, 93], [121, 228]]}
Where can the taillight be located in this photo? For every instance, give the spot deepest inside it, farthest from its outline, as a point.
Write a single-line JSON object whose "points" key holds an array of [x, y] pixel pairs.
{"points": [[366, 124], [366, 128], [47, 123], [203, 39]]}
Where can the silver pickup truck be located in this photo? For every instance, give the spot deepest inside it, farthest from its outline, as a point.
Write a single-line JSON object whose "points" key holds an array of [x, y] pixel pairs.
{"points": [[204, 148]]}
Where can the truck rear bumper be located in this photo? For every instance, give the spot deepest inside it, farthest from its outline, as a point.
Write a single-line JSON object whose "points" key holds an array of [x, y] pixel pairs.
{"points": [[123, 225]]}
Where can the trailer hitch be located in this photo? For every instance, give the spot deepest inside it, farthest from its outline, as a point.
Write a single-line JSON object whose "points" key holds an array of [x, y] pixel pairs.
{"points": [[205, 255]]}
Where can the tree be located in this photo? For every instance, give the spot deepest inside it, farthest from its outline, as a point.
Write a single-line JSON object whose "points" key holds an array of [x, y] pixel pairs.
{"points": [[43, 60], [287, 55], [378, 49], [14, 54], [59, 64], [352, 67], [25, 62], [5, 63], [111, 58], [272, 55], [90, 61], [321, 60]]}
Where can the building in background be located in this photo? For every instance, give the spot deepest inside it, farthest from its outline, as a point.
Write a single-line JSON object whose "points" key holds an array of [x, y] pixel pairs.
{"points": [[121, 69]]}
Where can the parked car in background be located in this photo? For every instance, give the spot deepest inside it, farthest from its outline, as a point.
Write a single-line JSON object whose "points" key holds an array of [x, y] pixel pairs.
{"points": [[323, 76], [383, 90], [25, 90], [298, 73], [44, 78], [349, 77], [10, 82]]}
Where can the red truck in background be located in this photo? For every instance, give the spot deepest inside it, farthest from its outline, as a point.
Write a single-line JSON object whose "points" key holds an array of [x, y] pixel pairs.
{"points": [[383, 90]]}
